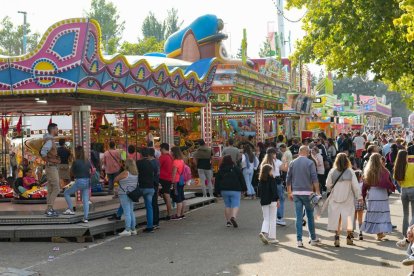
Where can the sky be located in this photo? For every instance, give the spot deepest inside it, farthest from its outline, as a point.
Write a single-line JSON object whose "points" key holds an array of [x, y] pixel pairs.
{"points": [[255, 16]]}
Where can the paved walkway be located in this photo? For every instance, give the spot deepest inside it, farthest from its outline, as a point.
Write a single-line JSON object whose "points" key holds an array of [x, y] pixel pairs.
{"points": [[201, 245]]}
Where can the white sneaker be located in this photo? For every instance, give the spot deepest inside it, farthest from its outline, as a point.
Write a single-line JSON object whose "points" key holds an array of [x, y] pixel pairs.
{"points": [[280, 222], [402, 243], [85, 220], [69, 212], [315, 242], [300, 244], [263, 238], [134, 232], [274, 242], [125, 233]]}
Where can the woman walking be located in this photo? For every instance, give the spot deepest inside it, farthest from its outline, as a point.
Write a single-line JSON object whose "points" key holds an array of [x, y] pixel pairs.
{"points": [[81, 170], [249, 165], [404, 175], [269, 200], [343, 185], [128, 181], [377, 185], [178, 182], [320, 168], [230, 184]]}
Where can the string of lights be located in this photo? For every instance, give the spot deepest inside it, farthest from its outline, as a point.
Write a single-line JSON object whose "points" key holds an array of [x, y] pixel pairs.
{"points": [[280, 12]]}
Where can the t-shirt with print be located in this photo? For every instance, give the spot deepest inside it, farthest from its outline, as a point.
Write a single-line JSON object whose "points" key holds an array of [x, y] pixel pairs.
{"points": [[179, 164]]}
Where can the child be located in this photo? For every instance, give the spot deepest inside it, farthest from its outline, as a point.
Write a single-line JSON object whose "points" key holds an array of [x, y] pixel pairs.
{"points": [[269, 200], [28, 180], [359, 208], [410, 249]]}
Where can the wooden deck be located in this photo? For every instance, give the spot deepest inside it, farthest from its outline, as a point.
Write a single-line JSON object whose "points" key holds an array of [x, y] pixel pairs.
{"points": [[29, 224]]}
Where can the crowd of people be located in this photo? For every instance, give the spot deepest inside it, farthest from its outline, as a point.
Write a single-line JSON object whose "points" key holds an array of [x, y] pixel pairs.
{"points": [[351, 176]]}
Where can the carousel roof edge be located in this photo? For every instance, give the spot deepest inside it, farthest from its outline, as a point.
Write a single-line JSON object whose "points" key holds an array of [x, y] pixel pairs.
{"points": [[200, 73]]}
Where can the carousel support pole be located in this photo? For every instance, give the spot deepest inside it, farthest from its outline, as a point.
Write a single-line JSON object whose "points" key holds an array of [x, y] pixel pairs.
{"points": [[136, 135], [22, 132], [163, 127], [206, 124], [170, 128], [259, 116], [81, 134]]}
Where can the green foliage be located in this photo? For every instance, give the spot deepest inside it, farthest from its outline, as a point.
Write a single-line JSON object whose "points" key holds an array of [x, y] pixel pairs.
{"points": [[354, 37], [266, 50], [161, 30], [107, 15], [11, 38], [172, 22], [364, 86], [151, 27], [146, 45]]}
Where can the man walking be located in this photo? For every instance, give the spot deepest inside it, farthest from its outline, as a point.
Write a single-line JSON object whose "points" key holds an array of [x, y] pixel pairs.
{"points": [[166, 166], [202, 158], [49, 154], [301, 180], [232, 151]]}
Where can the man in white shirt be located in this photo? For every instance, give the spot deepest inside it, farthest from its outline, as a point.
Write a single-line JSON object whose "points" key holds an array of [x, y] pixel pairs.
{"points": [[359, 144], [370, 136], [408, 137]]}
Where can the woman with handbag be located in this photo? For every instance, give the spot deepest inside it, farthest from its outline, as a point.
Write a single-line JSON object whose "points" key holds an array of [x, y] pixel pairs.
{"points": [[128, 181], [343, 186], [81, 169], [376, 188]]}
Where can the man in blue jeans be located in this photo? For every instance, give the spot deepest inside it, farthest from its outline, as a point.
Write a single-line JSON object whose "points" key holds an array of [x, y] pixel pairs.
{"points": [[302, 181]]}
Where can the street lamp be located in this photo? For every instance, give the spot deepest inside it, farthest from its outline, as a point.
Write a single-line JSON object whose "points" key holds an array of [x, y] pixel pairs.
{"points": [[24, 30]]}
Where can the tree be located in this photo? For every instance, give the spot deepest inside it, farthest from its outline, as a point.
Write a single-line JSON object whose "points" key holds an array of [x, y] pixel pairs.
{"points": [[161, 30], [151, 27], [172, 22], [11, 38], [266, 50], [355, 37], [407, 19], [362, 86], [146, 45], [107, 15]]}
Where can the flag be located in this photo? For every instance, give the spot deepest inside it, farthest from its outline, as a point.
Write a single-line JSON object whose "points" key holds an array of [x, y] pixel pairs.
{"points": [[147, 122], [50, 121], [19, 125], [126, 123], [135, 122], [98, 122], [5, 126]]}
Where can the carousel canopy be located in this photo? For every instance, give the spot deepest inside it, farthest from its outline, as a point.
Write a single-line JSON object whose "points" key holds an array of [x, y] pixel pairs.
{"points": [[67, 68]]}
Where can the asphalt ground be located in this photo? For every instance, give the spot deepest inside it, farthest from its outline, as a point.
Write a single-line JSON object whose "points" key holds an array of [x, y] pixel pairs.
{"points": [[202, 245]]}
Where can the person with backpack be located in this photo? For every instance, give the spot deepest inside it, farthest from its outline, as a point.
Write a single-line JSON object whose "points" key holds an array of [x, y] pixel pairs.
{"points": [[249, 164], [81, 169], [49, 154], [112, 163], [230, 184], [146, 184], [178, 182]]}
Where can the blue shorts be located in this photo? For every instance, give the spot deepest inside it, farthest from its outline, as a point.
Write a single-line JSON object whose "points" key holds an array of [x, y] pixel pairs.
{"points": [[231, 199]]}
